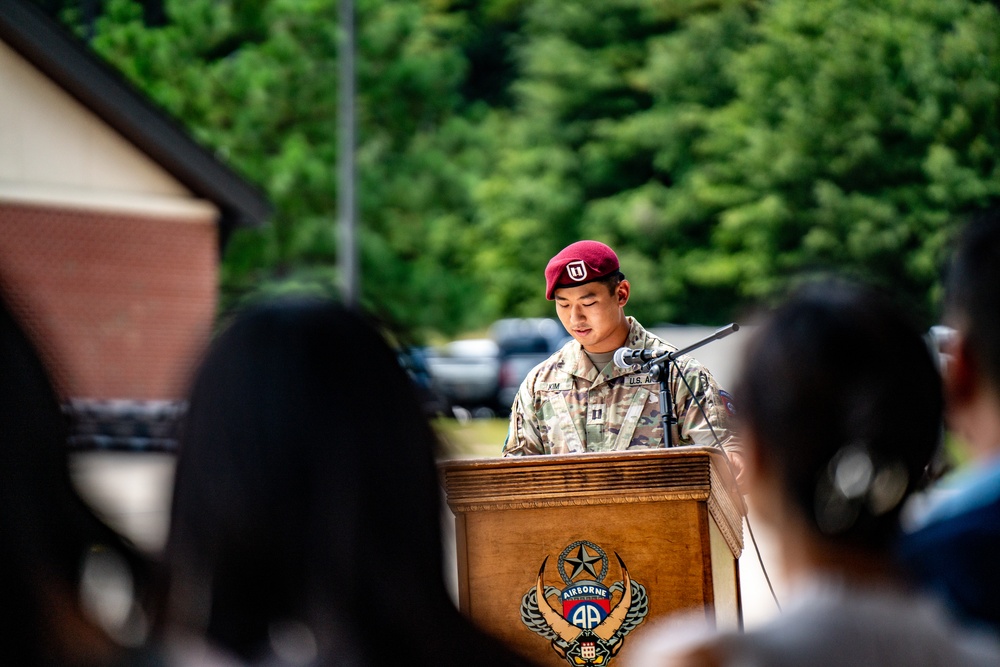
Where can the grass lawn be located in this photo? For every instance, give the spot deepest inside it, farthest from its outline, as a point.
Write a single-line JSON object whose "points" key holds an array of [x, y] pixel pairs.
{"points": [[475, 438]]}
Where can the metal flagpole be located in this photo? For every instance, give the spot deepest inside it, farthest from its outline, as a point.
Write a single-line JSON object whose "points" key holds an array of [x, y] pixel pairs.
{"points": [[347, 253]]}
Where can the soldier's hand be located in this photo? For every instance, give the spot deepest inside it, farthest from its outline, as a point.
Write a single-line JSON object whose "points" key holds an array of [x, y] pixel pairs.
{"points": [[736, 461]]}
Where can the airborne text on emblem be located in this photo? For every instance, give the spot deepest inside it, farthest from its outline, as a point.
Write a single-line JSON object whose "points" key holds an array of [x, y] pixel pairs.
{"points": [[591, 628]]}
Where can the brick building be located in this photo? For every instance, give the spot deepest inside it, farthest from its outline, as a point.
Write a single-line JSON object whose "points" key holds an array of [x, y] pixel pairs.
{"points": [[112, 223]]}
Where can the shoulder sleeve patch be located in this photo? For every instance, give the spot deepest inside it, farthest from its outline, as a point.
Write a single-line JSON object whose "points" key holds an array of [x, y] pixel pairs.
{"points": [[728, 401]]}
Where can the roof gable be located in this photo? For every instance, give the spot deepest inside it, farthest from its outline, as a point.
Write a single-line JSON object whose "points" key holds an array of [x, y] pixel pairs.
{"points": [[102, 90]]}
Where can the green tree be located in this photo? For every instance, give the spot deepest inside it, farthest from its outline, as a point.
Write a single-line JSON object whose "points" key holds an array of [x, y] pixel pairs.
{"points": [[859, 133], [609, 103], [258, 83], [723, 147], [727, 149]]}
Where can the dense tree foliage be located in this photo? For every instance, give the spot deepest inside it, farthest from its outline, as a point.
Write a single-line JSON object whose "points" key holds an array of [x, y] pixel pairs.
{"points": [[726, 148], [859, 133]]}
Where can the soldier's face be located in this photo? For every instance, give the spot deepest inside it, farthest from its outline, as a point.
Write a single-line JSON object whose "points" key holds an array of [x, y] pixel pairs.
{"points": [[593, 315]]}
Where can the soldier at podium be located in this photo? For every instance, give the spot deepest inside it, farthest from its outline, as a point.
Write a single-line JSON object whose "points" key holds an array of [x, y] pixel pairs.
{"points": [[578, 400]]}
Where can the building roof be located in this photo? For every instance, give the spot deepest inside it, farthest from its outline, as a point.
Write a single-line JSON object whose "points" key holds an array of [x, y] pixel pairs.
{"points": [[102, 89]]}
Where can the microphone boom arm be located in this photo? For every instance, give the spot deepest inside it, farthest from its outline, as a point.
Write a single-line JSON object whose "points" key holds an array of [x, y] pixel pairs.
{"points": [[721, 333], [660, 369]]}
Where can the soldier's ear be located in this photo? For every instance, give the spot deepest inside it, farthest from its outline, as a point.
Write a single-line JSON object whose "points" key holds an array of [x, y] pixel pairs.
{"points": [[622, 292]]}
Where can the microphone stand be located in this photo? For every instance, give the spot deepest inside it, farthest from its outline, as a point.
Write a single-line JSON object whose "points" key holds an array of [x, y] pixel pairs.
{"points": [[659, 369]]}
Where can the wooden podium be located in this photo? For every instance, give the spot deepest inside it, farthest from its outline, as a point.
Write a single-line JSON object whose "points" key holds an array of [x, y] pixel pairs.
{"points": [[569, 558]]}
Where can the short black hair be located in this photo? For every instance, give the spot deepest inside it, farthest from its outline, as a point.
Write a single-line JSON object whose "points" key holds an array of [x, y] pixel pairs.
{"points": [[611, 281], [971, 301]]}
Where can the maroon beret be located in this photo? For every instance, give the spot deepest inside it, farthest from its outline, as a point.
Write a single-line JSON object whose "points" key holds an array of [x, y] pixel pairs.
{"points": [[579, 263]]}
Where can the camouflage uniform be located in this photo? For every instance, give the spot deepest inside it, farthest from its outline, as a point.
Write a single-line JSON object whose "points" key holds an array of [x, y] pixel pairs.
{"points": [[566, 405]]}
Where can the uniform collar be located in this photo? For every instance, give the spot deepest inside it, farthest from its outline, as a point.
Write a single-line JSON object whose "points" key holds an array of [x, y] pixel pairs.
{"points": [[636, 334], [579, 365]]}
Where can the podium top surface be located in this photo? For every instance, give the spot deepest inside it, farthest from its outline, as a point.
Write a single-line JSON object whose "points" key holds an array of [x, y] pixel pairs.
{"points": [[697, 473], [587, 458]]}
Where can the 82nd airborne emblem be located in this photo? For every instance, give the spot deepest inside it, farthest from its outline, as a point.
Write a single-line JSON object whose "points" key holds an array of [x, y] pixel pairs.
{"points": [[591, 627]]}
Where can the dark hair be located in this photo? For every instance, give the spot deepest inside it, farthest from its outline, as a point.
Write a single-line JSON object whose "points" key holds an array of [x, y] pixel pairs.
{"points": [[611, 281], [307, 491], [47, 532], [971, 301], [840, 392]]}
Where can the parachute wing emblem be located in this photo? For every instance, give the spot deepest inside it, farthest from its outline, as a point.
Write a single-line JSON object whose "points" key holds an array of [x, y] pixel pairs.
{"points": [[531, 615], [578, 645]]}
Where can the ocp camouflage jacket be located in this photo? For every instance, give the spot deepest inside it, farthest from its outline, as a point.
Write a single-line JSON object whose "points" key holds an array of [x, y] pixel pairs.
{"points": [[566, 405]]}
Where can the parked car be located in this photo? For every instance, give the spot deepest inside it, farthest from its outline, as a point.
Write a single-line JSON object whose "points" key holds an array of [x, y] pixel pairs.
{"points": [[524, 343], [483, 374], [466, 372], [414, 362]]}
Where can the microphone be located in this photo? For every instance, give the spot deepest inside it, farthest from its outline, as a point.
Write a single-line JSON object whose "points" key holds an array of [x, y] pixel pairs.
{"points": [[627, 358]]}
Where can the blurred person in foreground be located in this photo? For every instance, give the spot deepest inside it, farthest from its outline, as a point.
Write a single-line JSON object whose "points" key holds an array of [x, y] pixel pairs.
{"points": [[306, 512], [578, 400], [69, 584], [955, 551], [840, 409]]}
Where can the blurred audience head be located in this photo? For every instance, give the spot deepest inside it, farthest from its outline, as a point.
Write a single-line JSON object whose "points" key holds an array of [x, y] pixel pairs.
{"points": [[67, 581], [306, 515], [972, 300], [840, 404]]}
